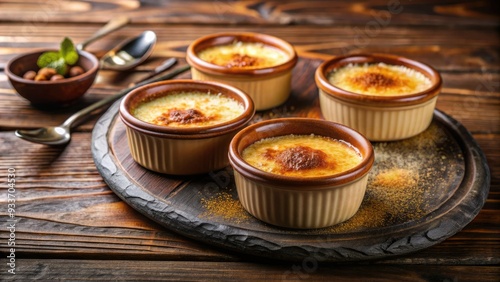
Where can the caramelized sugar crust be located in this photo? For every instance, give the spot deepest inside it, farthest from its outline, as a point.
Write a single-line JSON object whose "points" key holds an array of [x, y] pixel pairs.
{"points": [[379, 79], [302, 155]]}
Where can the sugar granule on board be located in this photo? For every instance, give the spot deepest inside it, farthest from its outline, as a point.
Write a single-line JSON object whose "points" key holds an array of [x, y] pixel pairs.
{"points": [[223, 205]]}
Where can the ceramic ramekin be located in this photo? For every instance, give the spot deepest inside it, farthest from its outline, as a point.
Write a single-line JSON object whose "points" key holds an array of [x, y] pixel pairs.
{"points": [[268, 87], [379, 118], [182, 151], [296, 202]]}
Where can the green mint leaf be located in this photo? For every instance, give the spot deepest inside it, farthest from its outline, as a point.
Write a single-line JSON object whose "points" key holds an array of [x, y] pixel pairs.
{"points": [[60, 66], [68, 51], [46, 58], [59, 61]]}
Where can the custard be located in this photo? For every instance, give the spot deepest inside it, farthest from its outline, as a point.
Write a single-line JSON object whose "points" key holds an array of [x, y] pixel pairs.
{"points": [[188, 109], [243, 55], [379, 79], [302, 155]]}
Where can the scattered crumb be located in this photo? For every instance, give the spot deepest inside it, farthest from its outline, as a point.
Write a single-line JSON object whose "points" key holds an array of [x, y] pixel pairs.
{"points": [[225, 206], [397, 178]]}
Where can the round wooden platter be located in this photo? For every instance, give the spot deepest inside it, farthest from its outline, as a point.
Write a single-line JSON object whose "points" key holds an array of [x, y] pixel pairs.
{"points": [[421, 191]]}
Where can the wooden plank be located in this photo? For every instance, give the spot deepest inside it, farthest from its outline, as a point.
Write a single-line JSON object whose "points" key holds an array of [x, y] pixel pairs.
{"points": [[134, 270], [318, 12]]}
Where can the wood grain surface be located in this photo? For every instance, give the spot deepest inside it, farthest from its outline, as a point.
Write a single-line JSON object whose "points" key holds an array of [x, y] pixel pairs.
{"points": [[64, 209], [319, 12], [129, 270]]}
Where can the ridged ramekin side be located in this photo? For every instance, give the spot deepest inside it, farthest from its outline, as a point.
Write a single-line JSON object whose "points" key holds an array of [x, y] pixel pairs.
{"points": [[305, 208], [378, 123], [179, 156]]}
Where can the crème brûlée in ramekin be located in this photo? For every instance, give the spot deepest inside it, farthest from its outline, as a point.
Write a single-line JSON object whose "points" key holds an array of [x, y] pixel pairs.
{"points": [[299, 172], [384, 97], [184, 127], [259, 64]]}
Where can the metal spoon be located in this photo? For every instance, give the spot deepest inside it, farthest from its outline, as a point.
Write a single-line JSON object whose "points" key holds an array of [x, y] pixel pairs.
{"points": [[129, 53], [61, 135]]}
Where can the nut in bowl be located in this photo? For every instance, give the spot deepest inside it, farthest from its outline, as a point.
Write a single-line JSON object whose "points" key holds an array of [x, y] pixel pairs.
{"points": [[384, 97], [51, 93], [259, 64], [184, 127], [299, 172]]}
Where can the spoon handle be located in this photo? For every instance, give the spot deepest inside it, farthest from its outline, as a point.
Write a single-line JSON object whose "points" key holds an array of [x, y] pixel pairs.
{"points": [[83, 112], [112, 25]]}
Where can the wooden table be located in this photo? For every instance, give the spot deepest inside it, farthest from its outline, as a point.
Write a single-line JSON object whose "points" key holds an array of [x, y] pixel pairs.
{"points": [[70, 225]]}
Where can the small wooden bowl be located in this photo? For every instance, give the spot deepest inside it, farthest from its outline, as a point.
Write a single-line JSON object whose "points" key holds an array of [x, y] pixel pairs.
{"points": [[182, 151], [268, 87], [51, 94], [296, 202], [379, 118]]}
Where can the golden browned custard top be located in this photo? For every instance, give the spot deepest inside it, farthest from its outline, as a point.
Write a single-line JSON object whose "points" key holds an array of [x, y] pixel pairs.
{"points": [[379, 79], [243, 55], [302, 155], [188, 109]]}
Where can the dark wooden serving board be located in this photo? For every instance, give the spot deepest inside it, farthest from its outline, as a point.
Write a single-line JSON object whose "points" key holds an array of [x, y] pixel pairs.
{"points": [[420, 192]]}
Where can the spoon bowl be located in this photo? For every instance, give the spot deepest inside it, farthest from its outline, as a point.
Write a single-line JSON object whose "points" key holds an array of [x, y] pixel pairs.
{"points": [[52, 135], [129, 53]]}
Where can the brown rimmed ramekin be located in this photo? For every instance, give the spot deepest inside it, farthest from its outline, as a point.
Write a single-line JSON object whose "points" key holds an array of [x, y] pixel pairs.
{"points": [[297, 202], [379, 118], [182, 151], [268, 87]]}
